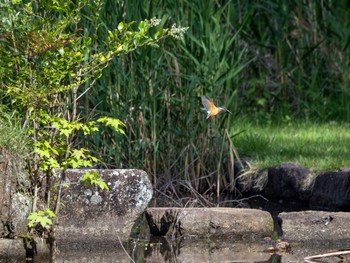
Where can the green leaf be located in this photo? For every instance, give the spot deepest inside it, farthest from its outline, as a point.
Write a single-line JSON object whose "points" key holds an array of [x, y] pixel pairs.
{"points": [[114, 123], [79, 154], [50, 213], [120, 26], [93, 178], [141, 25], [44, 221], [40, 217]]}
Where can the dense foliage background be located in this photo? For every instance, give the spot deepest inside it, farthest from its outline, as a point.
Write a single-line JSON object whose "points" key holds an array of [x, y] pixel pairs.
{"points": [[267, 61]]}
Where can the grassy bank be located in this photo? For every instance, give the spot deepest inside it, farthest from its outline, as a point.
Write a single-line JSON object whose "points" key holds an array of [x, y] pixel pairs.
{"points": [[320, 147]]}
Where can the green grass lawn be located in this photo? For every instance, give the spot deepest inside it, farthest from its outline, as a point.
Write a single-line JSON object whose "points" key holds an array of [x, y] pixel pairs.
{"points": [[319, 147]]}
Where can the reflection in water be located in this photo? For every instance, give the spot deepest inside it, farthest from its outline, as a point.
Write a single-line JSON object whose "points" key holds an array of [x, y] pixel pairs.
{"points": [[164, 250], [189, 250], [275, 258], [181, 250]]}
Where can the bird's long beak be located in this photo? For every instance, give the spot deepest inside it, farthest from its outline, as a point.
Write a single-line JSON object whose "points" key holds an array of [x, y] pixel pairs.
{"points": [[228, 111]]}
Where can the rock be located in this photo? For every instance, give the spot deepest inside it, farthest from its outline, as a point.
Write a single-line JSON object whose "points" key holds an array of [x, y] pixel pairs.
{"points": [[276, 246], [252, 182], [230, 223], [91, 215], [21, 207], [289, 182], [331, 191], [15, 201], [315, 226]]}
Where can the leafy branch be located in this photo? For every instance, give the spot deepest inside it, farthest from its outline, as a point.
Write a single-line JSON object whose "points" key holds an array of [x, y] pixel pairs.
{"points": [[93, 178], [42, 218], [47, 63]]}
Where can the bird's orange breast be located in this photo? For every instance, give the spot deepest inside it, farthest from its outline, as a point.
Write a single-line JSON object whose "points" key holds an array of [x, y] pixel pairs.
{"points": [[214, 111]]}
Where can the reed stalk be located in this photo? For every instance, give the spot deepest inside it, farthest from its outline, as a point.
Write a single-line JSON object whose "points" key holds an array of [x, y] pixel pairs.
{"points": [[264, 60]]}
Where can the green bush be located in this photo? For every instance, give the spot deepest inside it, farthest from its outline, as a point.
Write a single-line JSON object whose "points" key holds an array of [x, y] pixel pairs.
{"points": [[48, 62]]}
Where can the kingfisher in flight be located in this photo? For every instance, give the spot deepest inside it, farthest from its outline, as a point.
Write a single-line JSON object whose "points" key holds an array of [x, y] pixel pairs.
{"points": [[211, 109]]}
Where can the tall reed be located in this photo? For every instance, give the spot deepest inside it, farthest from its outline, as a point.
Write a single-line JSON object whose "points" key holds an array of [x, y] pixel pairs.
{"points": [[262, 59]]}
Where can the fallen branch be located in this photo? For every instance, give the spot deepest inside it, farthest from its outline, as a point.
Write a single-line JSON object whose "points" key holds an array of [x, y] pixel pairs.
{"points": [[332, 254]]}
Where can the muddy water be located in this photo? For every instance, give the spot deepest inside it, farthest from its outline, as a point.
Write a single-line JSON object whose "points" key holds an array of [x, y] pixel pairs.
{"points": [[186, 250]]}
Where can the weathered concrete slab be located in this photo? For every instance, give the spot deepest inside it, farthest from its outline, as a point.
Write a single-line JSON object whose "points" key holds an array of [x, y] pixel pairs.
{"points": [[315, 226], [231, 223], [90, 215]]}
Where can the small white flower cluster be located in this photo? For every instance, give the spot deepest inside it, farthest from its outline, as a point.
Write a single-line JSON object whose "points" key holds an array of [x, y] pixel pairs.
{"points": [[177, 32], [154, 21]]}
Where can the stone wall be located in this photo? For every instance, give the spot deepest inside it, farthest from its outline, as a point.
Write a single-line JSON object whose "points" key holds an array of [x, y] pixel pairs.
{"points": [[15, 201]]}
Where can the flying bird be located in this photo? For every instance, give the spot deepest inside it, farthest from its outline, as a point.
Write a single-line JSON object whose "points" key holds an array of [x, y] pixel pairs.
{"points": [[211, 109]]}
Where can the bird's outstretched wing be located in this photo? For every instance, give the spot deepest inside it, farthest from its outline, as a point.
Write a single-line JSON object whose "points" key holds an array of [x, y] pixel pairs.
{"points": [[206, 103]]}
